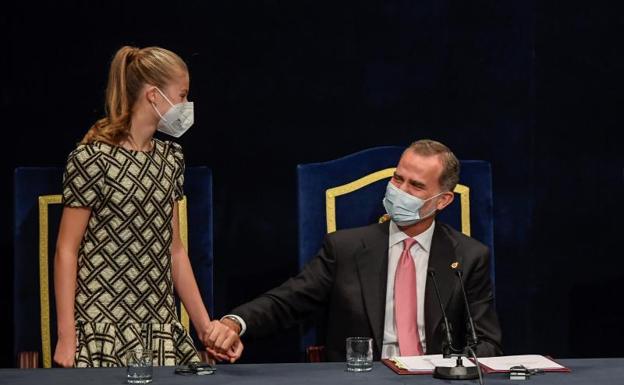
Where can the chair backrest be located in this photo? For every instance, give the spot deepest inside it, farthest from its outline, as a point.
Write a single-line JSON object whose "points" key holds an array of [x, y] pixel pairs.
{"points": [[37, 215], [348, 192]]}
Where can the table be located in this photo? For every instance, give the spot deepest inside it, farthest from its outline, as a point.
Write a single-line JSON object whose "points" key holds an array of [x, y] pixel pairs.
{"points": [[584, 371]]}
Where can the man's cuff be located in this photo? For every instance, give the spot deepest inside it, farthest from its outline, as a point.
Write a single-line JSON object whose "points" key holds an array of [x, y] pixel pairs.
{"points": [[238, 319]]}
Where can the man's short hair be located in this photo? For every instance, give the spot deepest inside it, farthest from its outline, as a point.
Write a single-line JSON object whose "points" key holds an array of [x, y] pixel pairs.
{"points": [[450, 165]]}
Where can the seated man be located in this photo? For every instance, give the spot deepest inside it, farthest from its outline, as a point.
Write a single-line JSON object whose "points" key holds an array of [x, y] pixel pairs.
{"points": [[373, 280]]}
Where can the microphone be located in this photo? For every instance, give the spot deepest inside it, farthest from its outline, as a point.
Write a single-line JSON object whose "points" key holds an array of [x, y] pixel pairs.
{"points": [[459, 371], [472, 337], [446, 327]]}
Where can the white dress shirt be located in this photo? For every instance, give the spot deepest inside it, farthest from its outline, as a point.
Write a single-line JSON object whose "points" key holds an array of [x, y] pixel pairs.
{"points": [[420, 254]]}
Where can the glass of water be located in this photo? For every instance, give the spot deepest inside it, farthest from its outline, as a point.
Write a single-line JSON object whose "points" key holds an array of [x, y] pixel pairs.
{"points": [[140, 363], [359, 354]]}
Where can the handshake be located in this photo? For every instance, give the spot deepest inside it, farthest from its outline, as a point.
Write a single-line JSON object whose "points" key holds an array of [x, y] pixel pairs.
{"points": [[221, 340]]}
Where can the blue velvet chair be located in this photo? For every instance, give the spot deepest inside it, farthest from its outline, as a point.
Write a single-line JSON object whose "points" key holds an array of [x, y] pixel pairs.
{"points": [[37, 204], [348, 192]]}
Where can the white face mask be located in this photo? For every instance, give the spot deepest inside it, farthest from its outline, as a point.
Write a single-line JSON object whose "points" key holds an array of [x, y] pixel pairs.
{"points": [[404, 208], [177, 119]]}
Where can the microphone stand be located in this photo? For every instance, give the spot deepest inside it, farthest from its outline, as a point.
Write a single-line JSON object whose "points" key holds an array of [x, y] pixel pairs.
{"points": [[459, 371]]}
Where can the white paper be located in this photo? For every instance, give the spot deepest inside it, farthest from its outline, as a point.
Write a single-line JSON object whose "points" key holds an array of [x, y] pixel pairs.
{"points": [[530, 361], [427, 362]]}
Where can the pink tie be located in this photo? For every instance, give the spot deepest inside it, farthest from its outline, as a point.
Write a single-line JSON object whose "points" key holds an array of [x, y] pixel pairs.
{"points": [[405, 304]]}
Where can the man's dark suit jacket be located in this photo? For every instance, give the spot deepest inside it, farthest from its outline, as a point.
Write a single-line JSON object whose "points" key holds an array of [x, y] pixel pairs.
{"points": [[349, 276]]}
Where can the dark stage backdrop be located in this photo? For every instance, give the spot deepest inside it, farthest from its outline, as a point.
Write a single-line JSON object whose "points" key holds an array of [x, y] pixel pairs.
{"points": [[528, 86]]}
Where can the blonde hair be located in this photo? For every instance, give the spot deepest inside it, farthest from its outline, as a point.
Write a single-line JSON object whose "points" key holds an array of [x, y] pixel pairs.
{"points": [[130, 69], [450, 164]]}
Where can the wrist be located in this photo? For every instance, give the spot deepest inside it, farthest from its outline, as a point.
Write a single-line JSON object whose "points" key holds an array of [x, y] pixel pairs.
{"points": [[201, 327], [232, 323], [66, 334], [201, 323]]}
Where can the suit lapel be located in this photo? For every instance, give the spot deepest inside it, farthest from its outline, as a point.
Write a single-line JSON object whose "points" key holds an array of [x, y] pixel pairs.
{"points": [[372, 266], [441, 256]]}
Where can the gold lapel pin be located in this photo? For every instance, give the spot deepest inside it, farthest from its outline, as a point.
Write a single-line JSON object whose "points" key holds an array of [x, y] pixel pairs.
{"points": [[454, 265]]}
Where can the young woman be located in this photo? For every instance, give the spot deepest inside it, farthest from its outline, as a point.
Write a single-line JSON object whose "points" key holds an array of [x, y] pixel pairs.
{"points": [[119, 254]]}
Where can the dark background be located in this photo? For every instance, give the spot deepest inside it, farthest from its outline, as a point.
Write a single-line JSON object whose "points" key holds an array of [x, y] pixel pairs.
{"points": [[528, 85]]}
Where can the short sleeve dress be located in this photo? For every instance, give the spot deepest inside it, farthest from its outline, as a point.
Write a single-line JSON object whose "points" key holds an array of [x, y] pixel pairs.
{"points": [[124, 293]]}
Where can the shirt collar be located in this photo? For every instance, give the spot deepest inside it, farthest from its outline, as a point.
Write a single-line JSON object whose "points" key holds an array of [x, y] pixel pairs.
{"points": [[423, 239]]}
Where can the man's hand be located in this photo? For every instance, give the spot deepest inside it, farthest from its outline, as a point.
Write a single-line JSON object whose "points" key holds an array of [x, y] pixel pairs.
{"points": [[65, 352], [222, 341], [235, 326]]}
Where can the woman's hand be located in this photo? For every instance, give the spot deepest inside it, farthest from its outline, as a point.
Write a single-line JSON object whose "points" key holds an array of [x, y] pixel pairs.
{"points": [[221, 341], [65, 352]]}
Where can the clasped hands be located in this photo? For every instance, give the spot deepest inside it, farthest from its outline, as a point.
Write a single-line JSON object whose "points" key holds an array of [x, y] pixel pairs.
{"points": [[222, 341]]}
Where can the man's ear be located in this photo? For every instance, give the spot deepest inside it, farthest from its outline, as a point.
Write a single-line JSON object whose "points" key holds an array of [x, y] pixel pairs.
{"points": [[445, 200]]}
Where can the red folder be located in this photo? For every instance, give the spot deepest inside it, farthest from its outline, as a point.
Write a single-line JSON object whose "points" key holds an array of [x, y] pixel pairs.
{"points": [[397, 370]]}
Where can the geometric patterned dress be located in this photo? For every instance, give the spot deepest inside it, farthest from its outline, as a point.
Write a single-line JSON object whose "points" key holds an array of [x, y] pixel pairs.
{"points": [[124, 294]]}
